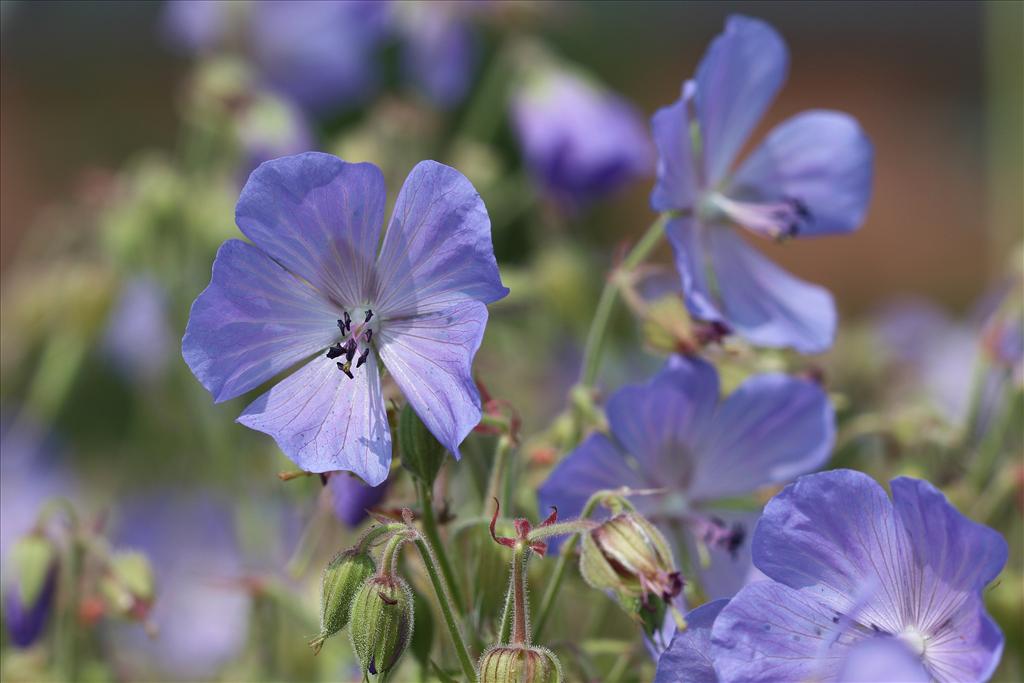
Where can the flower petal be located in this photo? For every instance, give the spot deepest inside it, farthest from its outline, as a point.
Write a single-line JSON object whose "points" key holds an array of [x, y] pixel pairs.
{"points": [[351, 498], [595, 464], [737, 79], [764, 303], [437, 250], [688, 658], [968, 649], [676, 185], [659, 422], [319, 217], [772, 633], [727, 572], [882, 660], [431, 358], [324, 421], [684, 234], [770, 429], [253, 321], [835, 535], [822, 159]]}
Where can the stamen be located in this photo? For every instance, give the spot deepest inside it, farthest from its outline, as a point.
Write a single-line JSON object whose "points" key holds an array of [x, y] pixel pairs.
{"points": [[350, 350], [362, 357], [368, 335], [775, 219], [348, 323], [347, 369], [335, 351], [369, 314]]}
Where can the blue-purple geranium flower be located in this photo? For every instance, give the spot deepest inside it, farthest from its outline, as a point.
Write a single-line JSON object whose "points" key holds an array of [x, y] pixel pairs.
{"points": [[688, 658], [312, 284], [848, 566], [811, 176], [675, 436]]}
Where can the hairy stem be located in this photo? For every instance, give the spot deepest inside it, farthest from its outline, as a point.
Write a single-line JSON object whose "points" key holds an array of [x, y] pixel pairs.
{"points": [[445, 601], [520, 615], [430, 529], [505, 630]]}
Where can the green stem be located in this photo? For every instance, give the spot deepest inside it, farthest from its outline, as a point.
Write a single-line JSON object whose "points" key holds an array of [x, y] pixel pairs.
{"points": [[606, 304], [485, 111], [430, 529], [993, 443], [505, 631], [501, 451], [390, 554], [444, 599]]}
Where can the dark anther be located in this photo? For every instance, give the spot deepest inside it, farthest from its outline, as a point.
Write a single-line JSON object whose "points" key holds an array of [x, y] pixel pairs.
{"points": [[341, 325], [875, 628], [362, 357], [348, 323], [350, 350], [346, 368], [735, 539], [369, 314], [335, 351], [801, 209], [368, 334], [835, 620]]}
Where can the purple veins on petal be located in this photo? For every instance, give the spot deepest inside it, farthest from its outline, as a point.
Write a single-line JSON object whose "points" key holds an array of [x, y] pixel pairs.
{"points": [[688, 657]]}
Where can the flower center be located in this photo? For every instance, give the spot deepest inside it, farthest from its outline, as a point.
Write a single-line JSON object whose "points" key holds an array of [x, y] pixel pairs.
{"points": [[710, 531], [356, 328], [915, 640], [774, 219]]}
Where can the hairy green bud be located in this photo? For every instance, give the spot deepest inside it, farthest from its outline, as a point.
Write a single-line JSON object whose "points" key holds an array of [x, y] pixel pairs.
{"points": [[627, 554], [519, 664], [341, 581], [382, 621]]}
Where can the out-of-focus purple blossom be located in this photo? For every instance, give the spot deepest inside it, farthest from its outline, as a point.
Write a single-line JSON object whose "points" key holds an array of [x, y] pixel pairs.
{"points": [[580, 141], [688, 658], [1003, 339], [439, 49], [351, 498], [201, 609], [675, 437], [811, 176], [849, 566], [318, 52], [26, 622], [269, 128], [314, 281], [138, 339]]}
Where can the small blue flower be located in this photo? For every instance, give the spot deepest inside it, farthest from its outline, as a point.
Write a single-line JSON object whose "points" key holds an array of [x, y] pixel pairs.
{"points": [[849, 566], [313, 281], [811, 176], [676, 436], [579, 140]]}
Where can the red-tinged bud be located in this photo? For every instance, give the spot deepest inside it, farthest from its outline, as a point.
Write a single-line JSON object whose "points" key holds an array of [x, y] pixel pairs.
{"points": [[127, 587], [627, 554], [519, 664]]}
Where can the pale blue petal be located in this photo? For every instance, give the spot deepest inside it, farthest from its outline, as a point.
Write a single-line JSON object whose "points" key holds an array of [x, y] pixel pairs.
{"points": [[676, 184], [882, 660], [765, 304], [430, 355], [822, 159], [253, 321], [324, 421], [737, 79], [684, 234], [319, 217], [688, 658], [771, 429], [437, 250]]}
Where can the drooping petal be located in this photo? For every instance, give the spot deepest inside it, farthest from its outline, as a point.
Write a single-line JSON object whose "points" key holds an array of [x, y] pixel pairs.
{"points": [[684, 234], [835, 536], [594, 465], [676, 184], [771, 429], [430, 355], [319, 217], [253, 321], [660, 422], [437, 250], [822, 159], [774, 634], [764, 303], [324, 421], [688, 658], [882, 660], [737, 79]]}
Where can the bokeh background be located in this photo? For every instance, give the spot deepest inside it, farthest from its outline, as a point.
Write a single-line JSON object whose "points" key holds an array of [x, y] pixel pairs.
{"points": [[117, 186]]}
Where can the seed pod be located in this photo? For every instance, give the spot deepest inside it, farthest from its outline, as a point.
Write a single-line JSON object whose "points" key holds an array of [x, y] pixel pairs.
{"points": [[519, 664], [382, 621], [627, 554], [341, 581]]}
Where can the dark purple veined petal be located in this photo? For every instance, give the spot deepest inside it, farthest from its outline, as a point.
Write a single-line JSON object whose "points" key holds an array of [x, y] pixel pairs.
{"points": [[821, 159], [430, 356], [351, 497], [968, 648], [765, 304], [253, 321], [319, 217], [882, 660], [676, 185], [660, 423], [324, 421], [771, 429], [437, 251], [688, 658], [737, 79], [688, 245]]}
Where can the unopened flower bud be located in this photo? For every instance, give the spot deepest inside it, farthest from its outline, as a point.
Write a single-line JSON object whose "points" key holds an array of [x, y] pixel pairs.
{"points": [[628, 554], [127, 587], [28, 601], [382, 621], [519, 664], [422, 453], [341, 581]]}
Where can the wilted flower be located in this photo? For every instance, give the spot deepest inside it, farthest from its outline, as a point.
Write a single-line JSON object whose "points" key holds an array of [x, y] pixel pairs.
{"points": [[674, 440], [314, 282], [811, 176], [627, 554], [848, 566], [580, 141], [688, 658], [351, 498]]}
